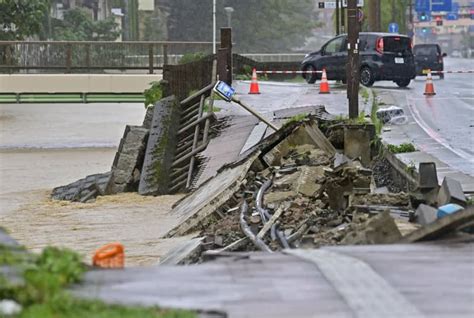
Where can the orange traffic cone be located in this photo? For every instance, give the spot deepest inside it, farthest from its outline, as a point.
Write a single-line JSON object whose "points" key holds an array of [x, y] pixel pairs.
{"points": [[254, 84], [429, 88], [324, 85]]}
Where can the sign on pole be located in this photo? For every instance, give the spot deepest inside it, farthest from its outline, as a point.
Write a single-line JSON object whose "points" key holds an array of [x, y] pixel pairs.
{"points": [[442, 5], [360, 3], [393, 28], [433, 5], [327, 5]]}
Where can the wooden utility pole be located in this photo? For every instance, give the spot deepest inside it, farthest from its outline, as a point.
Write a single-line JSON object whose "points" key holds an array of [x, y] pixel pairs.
{"points": [[338, 30], [352, 67]]}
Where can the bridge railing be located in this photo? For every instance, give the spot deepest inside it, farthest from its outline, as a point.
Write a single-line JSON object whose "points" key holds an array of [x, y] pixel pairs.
{"points": [[93, 56]]}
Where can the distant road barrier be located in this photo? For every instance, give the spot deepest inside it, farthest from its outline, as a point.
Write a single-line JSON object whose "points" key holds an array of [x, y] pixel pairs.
{"points": [[452, 72], [289, 72]]}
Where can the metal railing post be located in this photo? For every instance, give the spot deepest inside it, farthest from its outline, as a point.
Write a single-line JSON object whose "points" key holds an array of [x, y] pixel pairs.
{"points": [[88, 56], [165, 54], [68, 57], [150, 58]]}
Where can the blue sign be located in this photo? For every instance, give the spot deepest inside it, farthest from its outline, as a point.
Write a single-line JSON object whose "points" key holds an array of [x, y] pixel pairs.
{"points": [[433, 5], [225, 91], [452, 16], [393, 28], [455, 8], [422, 5], [442, 5]]}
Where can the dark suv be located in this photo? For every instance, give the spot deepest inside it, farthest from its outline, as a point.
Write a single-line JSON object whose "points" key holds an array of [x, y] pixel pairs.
{"points": [[428, 57], [383, 56]]}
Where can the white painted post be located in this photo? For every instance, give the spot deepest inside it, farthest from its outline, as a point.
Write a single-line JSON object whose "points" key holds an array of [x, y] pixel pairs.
{"points": [[214, 27]]}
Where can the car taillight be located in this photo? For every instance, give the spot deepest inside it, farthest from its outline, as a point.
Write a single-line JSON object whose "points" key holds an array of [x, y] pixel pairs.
{"points": [[379, 45]]}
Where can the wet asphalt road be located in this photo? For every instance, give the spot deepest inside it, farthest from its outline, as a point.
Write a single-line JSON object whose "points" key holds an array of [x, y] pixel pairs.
{"points": [[442, 125]]}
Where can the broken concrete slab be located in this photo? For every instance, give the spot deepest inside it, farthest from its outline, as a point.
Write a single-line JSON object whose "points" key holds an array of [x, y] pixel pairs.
{"points": [[441, 227], [278, 196], [307, 133], [425, 214], [379, 229], [428, 179], [80, 189], [357, 142], [310, 181], [210, 196], [128, 160], [186, 253], [160, 147], [451, 192]]}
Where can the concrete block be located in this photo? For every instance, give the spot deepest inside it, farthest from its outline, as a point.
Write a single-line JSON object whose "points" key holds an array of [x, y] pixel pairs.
{"points": [[129, 158], [84, 189], [451, 192], [425, 214], [428, 176], [160, 147], [357, 142]]}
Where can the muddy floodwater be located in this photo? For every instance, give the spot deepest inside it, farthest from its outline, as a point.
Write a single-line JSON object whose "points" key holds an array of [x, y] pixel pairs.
{"points": [[46, 145]]}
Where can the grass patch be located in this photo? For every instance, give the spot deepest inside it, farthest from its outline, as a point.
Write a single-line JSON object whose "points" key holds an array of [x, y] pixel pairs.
{"points": [[43, 293], [206, 108], [402, 148], [373, 116], [191, 57], [296, 118], [153, 94], [470, 201], [364, 92]]}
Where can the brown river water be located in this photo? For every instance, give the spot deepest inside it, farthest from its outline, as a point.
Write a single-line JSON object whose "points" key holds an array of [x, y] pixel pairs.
{"points": [[47, 145]]}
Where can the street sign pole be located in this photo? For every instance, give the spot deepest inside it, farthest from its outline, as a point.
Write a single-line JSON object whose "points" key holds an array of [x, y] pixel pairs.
{"points": [[338, 31], [352, 67]]}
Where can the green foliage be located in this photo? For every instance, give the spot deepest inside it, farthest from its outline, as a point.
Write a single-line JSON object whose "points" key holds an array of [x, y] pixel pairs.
{"points": [[43, 293], [470, 201], [364, 93], [389, 13], [153, 93], [78, 25], [215, 109], [191, 57], [402, 148], [373, 116], [258, 26], [296, 118], [21, 18]]}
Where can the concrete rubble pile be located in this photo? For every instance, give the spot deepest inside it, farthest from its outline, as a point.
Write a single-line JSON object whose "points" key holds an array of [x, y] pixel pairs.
{"points": [[307, 201], [300, 192]]}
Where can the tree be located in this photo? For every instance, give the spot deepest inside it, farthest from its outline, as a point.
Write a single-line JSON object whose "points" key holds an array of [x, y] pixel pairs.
{"points": [[20, 19], [79, 26], [258, 26]]}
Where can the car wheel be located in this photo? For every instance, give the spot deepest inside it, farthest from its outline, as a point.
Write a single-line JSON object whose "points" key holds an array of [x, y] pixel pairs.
{"points": [[310, 77], [367, 77], [441, 76], [403, 82]]}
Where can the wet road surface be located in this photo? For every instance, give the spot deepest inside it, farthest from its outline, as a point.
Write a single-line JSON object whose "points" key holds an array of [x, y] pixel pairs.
{"points": [[441, 125]]}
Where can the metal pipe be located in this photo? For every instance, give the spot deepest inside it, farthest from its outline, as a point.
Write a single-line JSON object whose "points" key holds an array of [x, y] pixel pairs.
{"points": [[248, 232], [282, 238], [259, 201]]}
